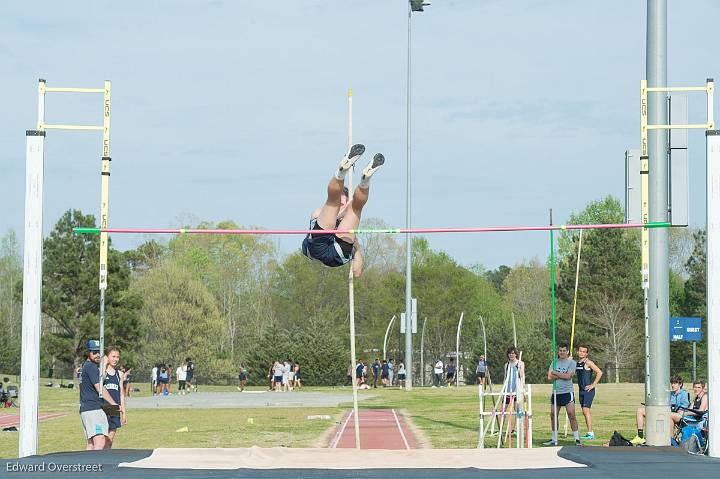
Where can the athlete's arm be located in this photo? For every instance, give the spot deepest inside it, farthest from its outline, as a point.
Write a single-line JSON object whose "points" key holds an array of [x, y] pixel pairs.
{"points": [[357, 262], [598, 374]]}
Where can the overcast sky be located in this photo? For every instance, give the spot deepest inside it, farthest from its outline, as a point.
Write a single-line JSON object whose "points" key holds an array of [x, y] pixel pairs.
{"points": [[237, 109]]}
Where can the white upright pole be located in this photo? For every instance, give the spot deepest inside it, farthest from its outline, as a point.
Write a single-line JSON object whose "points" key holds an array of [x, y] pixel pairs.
{"points": [[32, 294], [512, 315], [713, 283], [457, 351]]}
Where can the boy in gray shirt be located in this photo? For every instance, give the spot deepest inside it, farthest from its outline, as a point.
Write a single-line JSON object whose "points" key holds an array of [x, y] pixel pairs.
{"points": [[562, 372]]}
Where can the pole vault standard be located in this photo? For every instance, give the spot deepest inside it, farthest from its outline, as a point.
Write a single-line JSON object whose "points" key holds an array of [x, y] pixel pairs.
{"points": [[483, 229], [32, 271], [657, 348]]}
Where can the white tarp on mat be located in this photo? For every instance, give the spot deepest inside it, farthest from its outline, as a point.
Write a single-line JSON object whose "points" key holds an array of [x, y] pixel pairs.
{"points": [[292, 458]]}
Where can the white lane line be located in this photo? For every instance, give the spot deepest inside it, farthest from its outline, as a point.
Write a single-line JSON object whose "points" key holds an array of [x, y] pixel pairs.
{"points": [[339, 434], [402, 434]]}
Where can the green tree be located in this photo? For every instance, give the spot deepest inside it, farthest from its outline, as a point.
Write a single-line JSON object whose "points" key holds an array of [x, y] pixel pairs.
{"points": [[609, 314], [10, 303], [71, 298], [180, 319]]}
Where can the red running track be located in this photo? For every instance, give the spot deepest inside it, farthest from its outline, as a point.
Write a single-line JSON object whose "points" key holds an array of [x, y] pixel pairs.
{"points": [[379, 429], [12, 419]]}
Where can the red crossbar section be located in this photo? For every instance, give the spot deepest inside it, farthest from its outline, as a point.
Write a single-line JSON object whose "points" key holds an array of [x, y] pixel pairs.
{"points": [[12, 419], [379, 429]]}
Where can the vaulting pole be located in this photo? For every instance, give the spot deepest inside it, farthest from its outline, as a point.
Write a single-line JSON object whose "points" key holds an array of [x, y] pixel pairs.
{"points": [[351, 294]]}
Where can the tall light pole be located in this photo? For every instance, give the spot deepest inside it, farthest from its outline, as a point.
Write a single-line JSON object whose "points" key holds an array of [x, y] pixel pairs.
{"points": [[414, 6], [658, 424]]}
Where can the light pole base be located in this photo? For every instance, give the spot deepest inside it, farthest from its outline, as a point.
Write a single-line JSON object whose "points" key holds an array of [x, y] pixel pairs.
{"points": [[658, 425]]}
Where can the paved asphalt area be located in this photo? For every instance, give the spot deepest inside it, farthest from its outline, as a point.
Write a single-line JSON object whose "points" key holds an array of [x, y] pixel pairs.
{"points": [[602, 462], [244, 400]]}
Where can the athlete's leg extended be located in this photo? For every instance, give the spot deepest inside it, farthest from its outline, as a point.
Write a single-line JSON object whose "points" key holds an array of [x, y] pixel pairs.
{"points": [[570, 410], [330, 210], [351, 220]]}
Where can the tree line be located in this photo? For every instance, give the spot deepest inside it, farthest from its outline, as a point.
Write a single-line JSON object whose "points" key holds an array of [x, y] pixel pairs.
{"points": [[226, 300]]}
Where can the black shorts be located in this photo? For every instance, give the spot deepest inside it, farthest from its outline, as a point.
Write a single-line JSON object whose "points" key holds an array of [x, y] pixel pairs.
{"points": [[450, 375], [326, 248], [481, 375], [586, 398], [563, 399]]}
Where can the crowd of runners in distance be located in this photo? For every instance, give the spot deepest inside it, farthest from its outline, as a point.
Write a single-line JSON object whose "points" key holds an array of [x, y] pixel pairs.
{"points": [[161, 378], [389, 374], [282, 376]]}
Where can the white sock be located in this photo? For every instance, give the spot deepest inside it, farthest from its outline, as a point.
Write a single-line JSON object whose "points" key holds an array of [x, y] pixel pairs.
{"points": [[554, 436], [340, 175], [576, 435], [364, 183]]}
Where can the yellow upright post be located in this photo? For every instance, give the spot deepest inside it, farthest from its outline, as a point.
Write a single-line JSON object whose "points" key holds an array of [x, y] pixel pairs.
{"points": [[104, 213]]}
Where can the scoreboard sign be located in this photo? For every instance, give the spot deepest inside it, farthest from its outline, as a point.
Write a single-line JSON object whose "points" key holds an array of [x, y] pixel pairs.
{"points": [[686, 329]]}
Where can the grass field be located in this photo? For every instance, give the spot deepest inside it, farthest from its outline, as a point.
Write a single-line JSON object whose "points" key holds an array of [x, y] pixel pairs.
{"points": [[447, 418]]}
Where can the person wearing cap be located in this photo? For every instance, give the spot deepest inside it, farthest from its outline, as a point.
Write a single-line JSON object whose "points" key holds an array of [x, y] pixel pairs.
{"points": [[92, 416]]}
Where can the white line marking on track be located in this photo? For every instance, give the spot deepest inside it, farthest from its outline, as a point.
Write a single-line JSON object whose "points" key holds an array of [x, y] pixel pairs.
{"points": [[402, 434], [339, 434]]}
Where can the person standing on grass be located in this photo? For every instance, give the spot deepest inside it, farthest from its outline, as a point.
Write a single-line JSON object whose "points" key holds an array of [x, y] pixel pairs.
{"points": [[584, 371], [438, 370], [359, 368], [401, 374], [481, 371], [271, 376], [242, 378], [127, 374], [291, 375], [562, 373], [375, 371], [92, 416], [384, 373], [298, 377], [113, 386], [181, 375], [189, 374], [391, 372], [450, 372], [278, 374]]}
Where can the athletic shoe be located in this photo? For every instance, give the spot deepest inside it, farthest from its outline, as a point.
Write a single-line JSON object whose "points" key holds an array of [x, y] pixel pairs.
{"points": [[238, 388], [550, 443], [637, 441], [352, 156], [588, 436], [577, 442], [377, 161]]}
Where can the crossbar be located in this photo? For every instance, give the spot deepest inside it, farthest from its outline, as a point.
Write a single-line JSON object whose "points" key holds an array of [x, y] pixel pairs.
{"points": [[74, 90], [485, 229], [70, 127]]}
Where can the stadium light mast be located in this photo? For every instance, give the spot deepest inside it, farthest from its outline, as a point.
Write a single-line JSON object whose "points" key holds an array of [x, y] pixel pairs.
{"points": [[415, 6]]}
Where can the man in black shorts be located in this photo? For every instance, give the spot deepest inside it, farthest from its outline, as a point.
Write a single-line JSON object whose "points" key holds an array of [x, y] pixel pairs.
{"points": [[561, 373], [338, 213], [586, 386]]}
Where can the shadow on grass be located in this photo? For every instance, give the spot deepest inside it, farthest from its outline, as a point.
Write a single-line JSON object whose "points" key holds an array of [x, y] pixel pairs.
{"points": [[444, 423]]}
